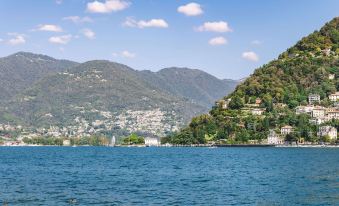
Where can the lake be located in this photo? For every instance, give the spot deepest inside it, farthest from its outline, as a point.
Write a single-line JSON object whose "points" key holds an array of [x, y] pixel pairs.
{"points": [[169, 176]]}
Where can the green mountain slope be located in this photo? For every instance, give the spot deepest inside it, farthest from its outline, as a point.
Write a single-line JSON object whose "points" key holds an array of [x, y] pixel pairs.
{"points": [[278, 88], [22, 69], [107, 97]]}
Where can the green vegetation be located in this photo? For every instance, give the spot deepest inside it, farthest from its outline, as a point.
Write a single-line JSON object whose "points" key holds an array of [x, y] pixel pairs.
{"points": [[58, 141], [281, 86], [133, 139]]}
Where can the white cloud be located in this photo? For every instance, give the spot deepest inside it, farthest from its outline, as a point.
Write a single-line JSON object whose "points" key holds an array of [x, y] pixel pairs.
{"points": [[251, 56], [88, 33], [220, 26], [191, 9], [49, 27], [64, 39], [128, 54], [217, 41], [17, 39], [78, 19], [256, 42], [108, 6], [159, 23], [58, 1], [1, 40]]}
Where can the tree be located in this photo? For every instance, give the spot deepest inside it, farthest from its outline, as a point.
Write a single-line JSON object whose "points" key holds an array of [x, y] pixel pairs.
{"points": [[236, 102]]}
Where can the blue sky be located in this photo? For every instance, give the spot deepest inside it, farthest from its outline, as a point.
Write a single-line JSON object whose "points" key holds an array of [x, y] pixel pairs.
{"points": [[228, 39]]}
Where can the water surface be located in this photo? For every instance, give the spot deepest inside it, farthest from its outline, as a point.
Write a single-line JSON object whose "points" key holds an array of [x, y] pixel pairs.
{"points": [[169, 176]]}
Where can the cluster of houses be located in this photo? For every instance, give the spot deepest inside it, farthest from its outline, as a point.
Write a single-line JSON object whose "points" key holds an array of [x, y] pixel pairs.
{"points": [[319, 116]]}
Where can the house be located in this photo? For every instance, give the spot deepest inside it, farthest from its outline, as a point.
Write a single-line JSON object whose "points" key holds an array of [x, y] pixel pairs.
{"points": [[223, 103], [286, 130], [334, 97], [257, 111], [328, 130], [313, 98], [274, 138], [304, 109], [66, 142], [257, 101], [333, 114], [331, 76], [152, 141], [318, 112]]}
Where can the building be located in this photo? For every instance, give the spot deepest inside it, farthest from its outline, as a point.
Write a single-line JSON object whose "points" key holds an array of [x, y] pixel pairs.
{"points": [[333, 114], [257, 101], [257, 111], [286, 130], [318, 112], [304, 109], [328, 130], [66, 142], [223, 103], [331, 76], [152, 141], [313, 98], [274, 138], [334, 97]]}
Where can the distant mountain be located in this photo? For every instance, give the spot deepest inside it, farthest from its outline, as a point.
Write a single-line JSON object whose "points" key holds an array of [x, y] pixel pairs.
{"points": [[22, 69], [103, 96], [267, 100], [195, 85]]}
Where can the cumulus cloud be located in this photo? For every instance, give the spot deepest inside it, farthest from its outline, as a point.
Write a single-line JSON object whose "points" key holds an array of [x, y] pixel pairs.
{"points": [[159, 23], [251, 56], [108, 6], [128, 54], [16, 39], [49, 27], [217, 41], [219, 26], [191, 9], [88, 33], [78, 19], [64, 39], [256, 42]]}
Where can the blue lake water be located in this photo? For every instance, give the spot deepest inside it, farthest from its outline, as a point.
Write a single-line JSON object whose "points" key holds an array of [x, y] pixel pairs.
{"points": [[169, 176]]}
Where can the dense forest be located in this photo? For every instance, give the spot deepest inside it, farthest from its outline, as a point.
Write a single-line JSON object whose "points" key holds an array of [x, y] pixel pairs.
{"points": [[268, 99]]}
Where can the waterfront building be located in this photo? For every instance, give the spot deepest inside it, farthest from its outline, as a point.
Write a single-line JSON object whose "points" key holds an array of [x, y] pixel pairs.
{"points": [[66, 142], [328, 130], [274, 138], [152, 141]]}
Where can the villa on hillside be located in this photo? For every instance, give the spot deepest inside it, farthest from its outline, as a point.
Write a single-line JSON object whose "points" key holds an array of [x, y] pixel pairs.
{"points": [[257, 111], [328, 130], [287, 129], [334, 97], [304, 109], [318, 112], [274, 138], [331, 76], [313, 98]]}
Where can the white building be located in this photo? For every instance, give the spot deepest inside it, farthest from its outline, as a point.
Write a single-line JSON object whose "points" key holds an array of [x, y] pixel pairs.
{"points": [[313, 98], [333, 114], [66, 142], [331, 76], [334, 97], [274, 138], [318, 112], [286, 130], [328, 130], [152, 141], [304, 109], [257, 111]]}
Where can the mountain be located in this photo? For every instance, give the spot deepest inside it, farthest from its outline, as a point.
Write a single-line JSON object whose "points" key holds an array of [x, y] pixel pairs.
{"points": [[267, 100], [107, 97], [193, 84], [22, 69]]}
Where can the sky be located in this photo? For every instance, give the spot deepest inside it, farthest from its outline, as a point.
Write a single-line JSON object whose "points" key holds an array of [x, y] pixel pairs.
{"points": [[226, 38]]}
